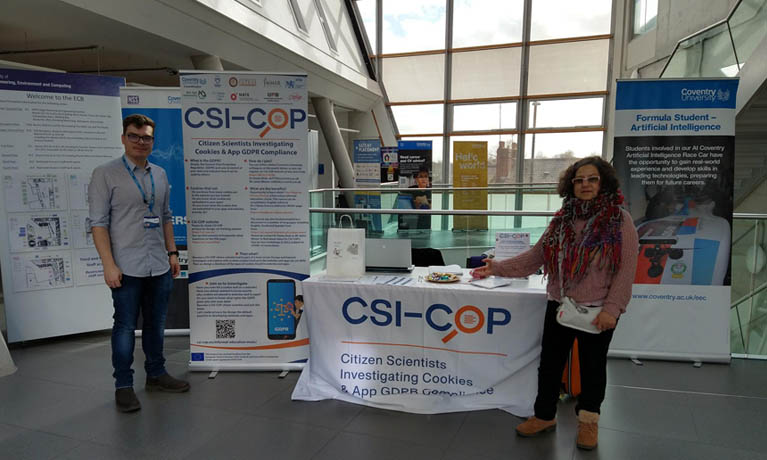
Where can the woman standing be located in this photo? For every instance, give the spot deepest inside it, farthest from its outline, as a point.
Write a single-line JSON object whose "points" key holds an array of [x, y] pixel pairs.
{"points": [[589, 252]]}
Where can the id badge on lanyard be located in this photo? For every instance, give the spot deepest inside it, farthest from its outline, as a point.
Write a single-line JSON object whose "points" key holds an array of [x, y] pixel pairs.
{"points": [[150, 220]]}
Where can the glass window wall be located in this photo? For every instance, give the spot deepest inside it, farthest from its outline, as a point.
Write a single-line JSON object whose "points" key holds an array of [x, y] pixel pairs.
{"points": [[414, 78], [563, 19], [367, 9], [477, 22], [419, 119], [413, 26], [568, 67], [565, 113], [486, 73], [484, 117]]}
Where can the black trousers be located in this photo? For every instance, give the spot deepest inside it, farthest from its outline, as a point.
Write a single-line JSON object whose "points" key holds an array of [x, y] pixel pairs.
{"points": [[592, 354]]}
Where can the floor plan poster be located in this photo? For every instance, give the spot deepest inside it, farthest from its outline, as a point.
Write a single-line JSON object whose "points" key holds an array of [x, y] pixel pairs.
{"points": [[55, 128], [81, 235], [33, 272], [34, 192], [31, 232], [78, 191]]}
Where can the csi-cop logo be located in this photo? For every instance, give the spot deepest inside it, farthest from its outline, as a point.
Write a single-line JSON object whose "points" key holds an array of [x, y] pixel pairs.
{"points": [[133, 99], [256, 118], [467, 319]]}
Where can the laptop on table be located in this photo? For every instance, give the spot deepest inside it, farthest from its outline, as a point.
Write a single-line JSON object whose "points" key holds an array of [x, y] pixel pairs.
{"points": [[388, 255]]}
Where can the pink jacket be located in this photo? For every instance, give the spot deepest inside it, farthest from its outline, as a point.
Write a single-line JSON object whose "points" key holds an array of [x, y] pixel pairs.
{"points": [[599, 287]]}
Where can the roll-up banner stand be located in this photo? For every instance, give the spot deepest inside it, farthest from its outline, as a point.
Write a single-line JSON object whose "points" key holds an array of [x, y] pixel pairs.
{"points": [[367, 174], [245, 164], [163, 105], [55, 128], [674, 153]]}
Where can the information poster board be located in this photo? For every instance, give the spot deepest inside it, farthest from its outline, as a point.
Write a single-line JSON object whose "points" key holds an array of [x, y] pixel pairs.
{"points": [[389, 165], [367, 170], [415, 158], [55, 128], [245, 149], [674, 153], [470, 170]]}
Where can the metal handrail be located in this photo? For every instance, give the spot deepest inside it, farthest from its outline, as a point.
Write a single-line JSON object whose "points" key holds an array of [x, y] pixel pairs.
{"points": [[749, 215], [749, 295], [726, 20], [541, 185], [435, 212]]}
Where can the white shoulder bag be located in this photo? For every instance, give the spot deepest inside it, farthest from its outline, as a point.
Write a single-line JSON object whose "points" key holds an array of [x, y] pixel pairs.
{"points": [[570, 313]]}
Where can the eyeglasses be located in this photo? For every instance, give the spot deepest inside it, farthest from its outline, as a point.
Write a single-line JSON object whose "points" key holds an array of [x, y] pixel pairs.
{"points": [[135, 138], [592, 180]]}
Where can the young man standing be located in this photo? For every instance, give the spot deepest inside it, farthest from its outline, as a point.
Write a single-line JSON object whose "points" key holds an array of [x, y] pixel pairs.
{"points": [[131, 223]]}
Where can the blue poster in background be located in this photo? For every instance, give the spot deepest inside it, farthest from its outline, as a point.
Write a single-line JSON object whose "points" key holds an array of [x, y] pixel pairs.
{"points": [[367, 173], [163, 105]]}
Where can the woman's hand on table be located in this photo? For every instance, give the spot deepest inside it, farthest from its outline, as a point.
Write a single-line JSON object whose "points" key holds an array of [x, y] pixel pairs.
{"points": [[483, 272]]}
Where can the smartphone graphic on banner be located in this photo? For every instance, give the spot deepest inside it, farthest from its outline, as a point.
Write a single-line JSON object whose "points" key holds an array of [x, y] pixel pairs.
{"points": [[280, 322]]}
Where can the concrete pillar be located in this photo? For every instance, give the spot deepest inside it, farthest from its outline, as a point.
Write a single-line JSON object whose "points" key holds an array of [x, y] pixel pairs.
{"points": [[323, 108], [207, 62]]}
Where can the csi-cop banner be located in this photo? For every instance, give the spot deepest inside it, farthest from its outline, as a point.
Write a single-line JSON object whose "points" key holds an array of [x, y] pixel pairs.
{"points": [[675, 156], [245, 150], [423, 349]]}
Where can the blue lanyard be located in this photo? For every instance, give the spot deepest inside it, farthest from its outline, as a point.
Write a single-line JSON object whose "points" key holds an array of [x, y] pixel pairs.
{"points": [[138, 184]]}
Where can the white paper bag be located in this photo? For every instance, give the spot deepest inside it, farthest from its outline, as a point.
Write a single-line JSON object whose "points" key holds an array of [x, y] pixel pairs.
{"points": [[346, 252]]}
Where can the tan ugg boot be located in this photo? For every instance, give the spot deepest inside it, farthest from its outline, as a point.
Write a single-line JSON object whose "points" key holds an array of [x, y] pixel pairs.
{"points": [[588, 429], [535, 426]]}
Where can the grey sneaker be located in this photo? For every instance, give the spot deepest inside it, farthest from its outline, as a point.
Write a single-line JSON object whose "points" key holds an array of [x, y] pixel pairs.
{"points": [[126, 400], [166, 383]]}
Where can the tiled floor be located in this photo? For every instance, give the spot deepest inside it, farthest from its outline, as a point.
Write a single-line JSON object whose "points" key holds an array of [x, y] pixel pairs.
{"points": [[60, 405]]}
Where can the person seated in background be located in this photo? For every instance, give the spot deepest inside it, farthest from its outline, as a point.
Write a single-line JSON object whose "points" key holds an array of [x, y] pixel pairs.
{"points": [[422, 196]]}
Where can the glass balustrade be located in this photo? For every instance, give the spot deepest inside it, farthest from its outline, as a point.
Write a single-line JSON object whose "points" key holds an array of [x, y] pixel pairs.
{"points": [[721, 49], [462, 235], [455, 234], [748, 324]]}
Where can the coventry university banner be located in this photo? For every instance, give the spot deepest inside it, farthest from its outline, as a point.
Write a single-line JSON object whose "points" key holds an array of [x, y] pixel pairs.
{"points": [[245, 149], [423, 348], [674, 153], [55, 128]]}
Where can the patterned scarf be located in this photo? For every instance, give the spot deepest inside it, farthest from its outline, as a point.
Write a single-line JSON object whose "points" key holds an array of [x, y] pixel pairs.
{"points": [[601, 237]]}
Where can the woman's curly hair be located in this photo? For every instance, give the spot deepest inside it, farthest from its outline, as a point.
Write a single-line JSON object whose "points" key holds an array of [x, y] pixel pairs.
{"points": [[608, 178]]}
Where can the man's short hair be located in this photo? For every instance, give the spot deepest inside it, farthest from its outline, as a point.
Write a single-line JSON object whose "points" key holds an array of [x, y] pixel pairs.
{"points": [[137, 120]]}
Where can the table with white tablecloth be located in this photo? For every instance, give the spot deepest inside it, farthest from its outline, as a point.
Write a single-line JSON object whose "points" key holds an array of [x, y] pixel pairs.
{"points": [[397, 341]]}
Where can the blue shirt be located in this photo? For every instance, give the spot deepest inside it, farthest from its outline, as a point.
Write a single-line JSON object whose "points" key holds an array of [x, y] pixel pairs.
{"points": [[116, 203]]}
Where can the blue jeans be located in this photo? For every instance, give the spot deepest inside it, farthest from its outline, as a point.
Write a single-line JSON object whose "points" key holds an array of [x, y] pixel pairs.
{"points": [[149, 294]]}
